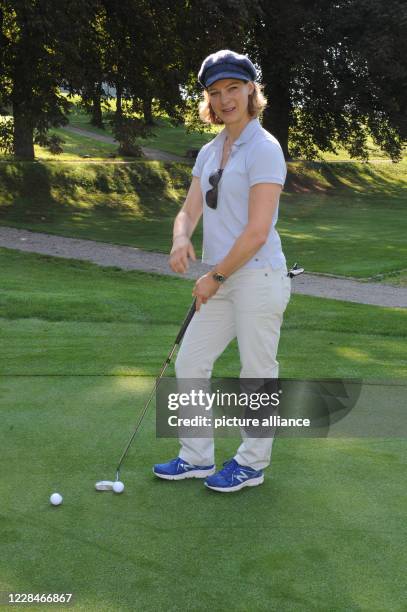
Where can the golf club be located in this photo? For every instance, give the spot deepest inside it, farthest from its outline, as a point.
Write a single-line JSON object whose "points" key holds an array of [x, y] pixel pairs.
{"points": [[295, 271], [107, 485]]}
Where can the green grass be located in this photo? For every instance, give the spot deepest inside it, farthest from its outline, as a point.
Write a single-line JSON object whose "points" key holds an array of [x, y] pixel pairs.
{"points": [[344, 219], [350, 236], [76, 146], [175, 139], [80, 347], [81, 319], [165, 136], [398, 278], [78, 118]]}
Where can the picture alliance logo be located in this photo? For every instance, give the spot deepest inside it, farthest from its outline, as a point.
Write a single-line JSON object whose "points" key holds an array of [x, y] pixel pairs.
{"points": [[272, 421]]}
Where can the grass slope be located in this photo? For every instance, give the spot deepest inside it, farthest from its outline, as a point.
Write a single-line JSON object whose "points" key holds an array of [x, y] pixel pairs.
{"points": [[80, 345], [344, 219]]}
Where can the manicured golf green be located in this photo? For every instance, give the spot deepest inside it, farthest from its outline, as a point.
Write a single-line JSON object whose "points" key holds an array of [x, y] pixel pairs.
{"points": [[80, 347]]}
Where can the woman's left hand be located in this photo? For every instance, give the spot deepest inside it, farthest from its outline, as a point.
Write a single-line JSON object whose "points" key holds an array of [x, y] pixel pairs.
{"points": [[205, 288]]}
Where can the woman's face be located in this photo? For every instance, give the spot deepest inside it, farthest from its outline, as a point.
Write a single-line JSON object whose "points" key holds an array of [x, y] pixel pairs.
{"points": [[229, 99]]}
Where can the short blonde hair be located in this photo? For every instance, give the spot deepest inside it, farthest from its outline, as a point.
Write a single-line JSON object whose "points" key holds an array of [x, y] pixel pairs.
{"points": [[256, 105]]}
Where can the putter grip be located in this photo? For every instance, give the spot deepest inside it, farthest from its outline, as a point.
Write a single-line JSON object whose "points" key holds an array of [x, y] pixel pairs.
{"points": [[187, 321]]}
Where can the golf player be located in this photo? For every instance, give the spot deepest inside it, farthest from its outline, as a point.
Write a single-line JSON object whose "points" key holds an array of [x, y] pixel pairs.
{"points": [[237, 180]]}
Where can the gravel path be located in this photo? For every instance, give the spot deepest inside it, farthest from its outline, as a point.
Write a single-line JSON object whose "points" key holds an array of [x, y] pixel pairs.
{"points": [[149, 153], [131, 258]]}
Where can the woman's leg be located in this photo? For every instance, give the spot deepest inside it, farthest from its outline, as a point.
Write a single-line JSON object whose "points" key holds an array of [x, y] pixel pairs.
{"points": [[260, 298], [207, 336]]}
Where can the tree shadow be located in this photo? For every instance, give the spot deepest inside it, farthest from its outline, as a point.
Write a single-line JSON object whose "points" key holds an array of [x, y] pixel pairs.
{"points": [[352, 177], [32, 192]]}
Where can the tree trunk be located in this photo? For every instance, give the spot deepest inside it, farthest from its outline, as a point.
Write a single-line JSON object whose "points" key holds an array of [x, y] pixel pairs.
{"points": [[147, 110], [97, 118], [119, 93], [277, 115], [23, 133]]}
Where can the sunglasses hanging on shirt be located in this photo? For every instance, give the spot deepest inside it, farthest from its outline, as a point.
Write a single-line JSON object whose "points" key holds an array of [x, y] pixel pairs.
{"points": [[211, 196]]}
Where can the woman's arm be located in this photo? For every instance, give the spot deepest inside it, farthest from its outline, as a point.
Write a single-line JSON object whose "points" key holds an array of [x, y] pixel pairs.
{"points": [[184, 226], [263, 200]]}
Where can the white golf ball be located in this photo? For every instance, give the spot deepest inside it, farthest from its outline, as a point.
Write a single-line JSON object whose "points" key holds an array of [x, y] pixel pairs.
{"points": [[118, 487], [56, 499]]}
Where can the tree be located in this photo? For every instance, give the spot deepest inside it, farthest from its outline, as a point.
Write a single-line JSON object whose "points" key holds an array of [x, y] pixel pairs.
{"points": [[155, 47], [142, 54], [334, 73], [204, 27], [31, 71], [88, 70]]}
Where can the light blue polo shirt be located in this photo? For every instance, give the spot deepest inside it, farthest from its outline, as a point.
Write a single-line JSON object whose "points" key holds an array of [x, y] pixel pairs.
{"points": [[256, 157]]}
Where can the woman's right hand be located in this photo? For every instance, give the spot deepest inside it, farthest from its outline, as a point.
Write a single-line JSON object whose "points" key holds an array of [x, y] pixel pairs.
{"points": [[181, 250]]}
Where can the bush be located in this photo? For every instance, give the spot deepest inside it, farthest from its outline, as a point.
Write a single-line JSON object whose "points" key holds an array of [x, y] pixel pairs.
{"points": [[6, 135], [126, 131], [52, 143]]}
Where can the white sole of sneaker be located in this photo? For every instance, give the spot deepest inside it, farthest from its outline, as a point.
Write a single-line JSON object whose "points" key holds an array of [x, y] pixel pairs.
{"points": [[253, 482], [191, 474]]}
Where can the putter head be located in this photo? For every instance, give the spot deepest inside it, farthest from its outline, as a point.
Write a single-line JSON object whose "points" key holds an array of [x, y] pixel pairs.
{"points": [[104, 485]]}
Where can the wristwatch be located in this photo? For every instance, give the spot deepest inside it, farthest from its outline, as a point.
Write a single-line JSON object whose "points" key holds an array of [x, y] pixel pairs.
{"points": [[220, 278]]}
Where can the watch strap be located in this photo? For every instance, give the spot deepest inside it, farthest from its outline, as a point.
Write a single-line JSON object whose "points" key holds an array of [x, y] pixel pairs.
{"points": [[219, 277]]}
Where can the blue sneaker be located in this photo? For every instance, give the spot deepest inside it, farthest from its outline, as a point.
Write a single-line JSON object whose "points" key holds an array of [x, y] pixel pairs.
{"points": [[234, 477], [178, 469]]}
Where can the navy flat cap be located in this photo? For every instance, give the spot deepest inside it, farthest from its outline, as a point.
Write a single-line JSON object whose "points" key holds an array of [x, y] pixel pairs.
{"points": [[226, 64]]}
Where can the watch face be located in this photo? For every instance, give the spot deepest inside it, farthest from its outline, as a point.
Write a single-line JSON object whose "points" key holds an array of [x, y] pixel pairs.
{"points": [[219, 277]]}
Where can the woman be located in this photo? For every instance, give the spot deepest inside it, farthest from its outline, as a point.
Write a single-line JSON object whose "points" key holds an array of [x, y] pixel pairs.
{"points": [[236, 184]]}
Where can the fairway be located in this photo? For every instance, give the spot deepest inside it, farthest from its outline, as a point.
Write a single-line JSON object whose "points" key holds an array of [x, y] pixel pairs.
{"points": [[80, 347]]}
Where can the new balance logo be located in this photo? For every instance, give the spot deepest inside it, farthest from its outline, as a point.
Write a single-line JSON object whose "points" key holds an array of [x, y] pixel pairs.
{"points": [[241, 476]]}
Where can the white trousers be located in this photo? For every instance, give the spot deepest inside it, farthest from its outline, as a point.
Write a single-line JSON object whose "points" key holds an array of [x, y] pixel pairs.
{"points": [[249, 306]]}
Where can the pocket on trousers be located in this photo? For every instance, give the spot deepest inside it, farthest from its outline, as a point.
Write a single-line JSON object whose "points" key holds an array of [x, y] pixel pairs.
{"points": [[263, 292], [279, 291], [286, 290]]}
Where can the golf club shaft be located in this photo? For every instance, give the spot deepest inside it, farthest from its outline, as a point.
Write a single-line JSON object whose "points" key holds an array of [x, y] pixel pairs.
{"points": [[178, 339], [294, 271]]}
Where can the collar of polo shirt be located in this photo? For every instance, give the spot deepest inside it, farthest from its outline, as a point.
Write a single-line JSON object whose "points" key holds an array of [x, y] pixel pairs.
{"points": [[247, 133]]}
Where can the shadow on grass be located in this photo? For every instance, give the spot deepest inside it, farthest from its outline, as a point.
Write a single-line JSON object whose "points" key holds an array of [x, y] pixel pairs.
{"points": [[34, 191], [329, 178]]}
